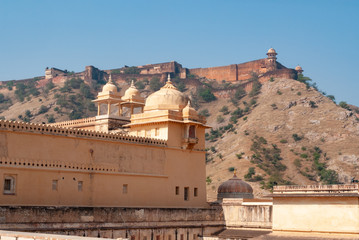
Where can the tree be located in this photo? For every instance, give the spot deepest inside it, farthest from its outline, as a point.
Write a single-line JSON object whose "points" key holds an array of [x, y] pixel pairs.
{"points": [[206, 94], [139, 85], [85, 90], [155, 84], [131, 70], [251, 172], [344, 105], [240, 92], [43, 109], [331, 97], [2, 98], [303, 79]]}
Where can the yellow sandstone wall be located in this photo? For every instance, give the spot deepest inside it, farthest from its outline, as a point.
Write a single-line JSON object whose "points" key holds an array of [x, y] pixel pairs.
{"points": [[151, 170], [316, 214]]}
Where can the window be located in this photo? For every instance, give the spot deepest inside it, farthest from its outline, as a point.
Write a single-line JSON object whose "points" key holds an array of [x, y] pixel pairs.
{"points": [[195, 192], [157, 132], [186, 191], [169, 237], [133, 237], [192, 132], [79, 186], [54, 185], [9, 184], [158, 237], [124, 188], [145, 238], [182, 237], [194, 236], [177, 190]]}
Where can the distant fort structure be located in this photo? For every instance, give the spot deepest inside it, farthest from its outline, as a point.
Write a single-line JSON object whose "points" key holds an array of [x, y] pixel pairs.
{"points": [[265, 69]]}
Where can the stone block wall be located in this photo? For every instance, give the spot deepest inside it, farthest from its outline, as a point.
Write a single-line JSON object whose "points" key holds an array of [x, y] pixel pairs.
{"points": [[228, 73], [132, 223]]}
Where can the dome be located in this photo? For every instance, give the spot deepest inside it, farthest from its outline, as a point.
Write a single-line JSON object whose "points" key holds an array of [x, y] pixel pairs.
{"points": [[234, 188], [131, 93], [109, 86], [298, 68], [271, 50], [167, 98], [189, 111]]}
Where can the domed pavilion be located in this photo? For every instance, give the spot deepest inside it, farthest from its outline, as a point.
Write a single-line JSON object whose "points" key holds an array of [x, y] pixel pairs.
{"points": [[168, 115], [234, 188]]}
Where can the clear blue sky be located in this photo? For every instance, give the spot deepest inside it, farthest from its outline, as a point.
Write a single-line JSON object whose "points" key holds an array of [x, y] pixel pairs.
{"points": [[321, 36]]}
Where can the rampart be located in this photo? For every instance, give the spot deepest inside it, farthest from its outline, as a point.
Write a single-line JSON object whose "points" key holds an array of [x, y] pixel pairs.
{"points": [[132, 223], [240, 72]]}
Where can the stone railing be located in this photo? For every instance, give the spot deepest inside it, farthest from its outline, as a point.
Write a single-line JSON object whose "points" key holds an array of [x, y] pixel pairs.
{"points": [[75, 132], [12, 235], [316, 189], [75, 122]]}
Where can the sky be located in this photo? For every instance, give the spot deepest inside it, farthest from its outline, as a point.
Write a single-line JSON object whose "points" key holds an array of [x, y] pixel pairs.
{"points": [[322, 36]]}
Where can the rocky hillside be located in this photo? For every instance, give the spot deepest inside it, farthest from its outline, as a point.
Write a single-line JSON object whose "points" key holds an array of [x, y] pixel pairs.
{"points": [[292, 135], [283, 132]]}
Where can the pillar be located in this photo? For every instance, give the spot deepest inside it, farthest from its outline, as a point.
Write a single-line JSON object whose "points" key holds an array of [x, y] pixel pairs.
{"points": [[108, 108], [119, 109], [98, 109]]}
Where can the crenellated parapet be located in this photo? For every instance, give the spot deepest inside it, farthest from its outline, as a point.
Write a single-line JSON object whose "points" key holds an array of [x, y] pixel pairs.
{"points": [[82, 121], [72, 132], [318, 190]]}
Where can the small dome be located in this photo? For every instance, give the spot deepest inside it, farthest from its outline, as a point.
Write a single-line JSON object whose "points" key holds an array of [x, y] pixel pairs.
{"points": [[298, 68], [131, 93], [271, 50], [189, 111], [109, 86], [234, 188], [167, 98]]}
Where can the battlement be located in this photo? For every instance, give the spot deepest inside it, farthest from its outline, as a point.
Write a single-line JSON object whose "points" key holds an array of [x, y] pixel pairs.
{"points": [[81, 121], [317, 190], [83, 133]]}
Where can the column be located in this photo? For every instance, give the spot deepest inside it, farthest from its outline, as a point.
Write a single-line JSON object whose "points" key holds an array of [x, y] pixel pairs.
{"points": [[119, 109], [98, 108], [108, 108]]}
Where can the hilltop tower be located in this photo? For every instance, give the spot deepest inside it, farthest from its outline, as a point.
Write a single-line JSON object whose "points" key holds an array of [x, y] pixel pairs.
{"points": [[271, 61], [299, 69]]}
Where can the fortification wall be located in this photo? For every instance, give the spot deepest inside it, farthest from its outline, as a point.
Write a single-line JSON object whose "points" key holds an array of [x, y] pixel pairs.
{"points": [[285, 73], [231, 73], [245, 69], [139, 77], [87, 168], [168, 67], [228, 73], [133, 223]]}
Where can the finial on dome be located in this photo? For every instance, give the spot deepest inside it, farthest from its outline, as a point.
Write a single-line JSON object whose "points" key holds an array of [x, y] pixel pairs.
{"points": [[169, 78], [169, 83], [110, 79], [132, 83], [235, 173]]}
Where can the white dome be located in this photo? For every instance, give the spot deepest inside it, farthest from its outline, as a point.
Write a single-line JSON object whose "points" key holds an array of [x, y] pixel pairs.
{"points": [[167, 98]]}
